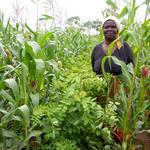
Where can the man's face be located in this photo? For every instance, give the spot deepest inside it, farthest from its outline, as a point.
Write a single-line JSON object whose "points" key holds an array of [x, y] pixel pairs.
{"points": [[110, 30]]}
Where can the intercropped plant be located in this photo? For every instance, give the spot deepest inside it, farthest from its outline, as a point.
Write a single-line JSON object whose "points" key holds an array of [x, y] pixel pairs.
{"points": [[135, 101], [49, 97], [73, 113]]}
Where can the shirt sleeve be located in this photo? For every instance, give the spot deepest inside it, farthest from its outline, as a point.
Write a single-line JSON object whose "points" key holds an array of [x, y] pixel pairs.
{"points": [[129, 53], [93, 58], [96, 59]]}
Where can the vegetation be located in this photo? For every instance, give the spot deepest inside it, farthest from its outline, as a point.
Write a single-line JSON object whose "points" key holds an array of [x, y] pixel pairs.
{"points": [[51, 99]]}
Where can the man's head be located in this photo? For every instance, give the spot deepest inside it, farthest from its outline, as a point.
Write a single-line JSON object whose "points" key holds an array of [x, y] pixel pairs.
{"points": [[111, 27]]}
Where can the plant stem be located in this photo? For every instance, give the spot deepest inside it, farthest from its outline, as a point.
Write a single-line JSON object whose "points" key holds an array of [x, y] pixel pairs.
{"points": [[26, 135], [129, 110], [146, 12], [37, 15]]}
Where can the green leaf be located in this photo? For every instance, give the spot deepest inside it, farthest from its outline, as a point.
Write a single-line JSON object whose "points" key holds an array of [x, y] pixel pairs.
{"points": [[9, 133], [34, 133], [46, 17], [107, 57], [34, 33], [140, 5], [124, 99], [1, 137], [134, 38], [8, 116], [4, 94], [101, 34], [103, 64], [40, 67], [123, 12], [46, 37], [20, 38], [130, 68], [7, 29], [124, 68], [51, 49], [112, 4], [35, 99], [10, 70], [32, 48], [53, 63], [131, 12], [11, 83], [111, 46], [23, 82], [133, 5], [3, 111], [32, 69], [25, 113], [2, 52]]}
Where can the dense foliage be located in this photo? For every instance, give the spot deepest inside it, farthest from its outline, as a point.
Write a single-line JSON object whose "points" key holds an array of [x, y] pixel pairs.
{"points": [[51, 99]]}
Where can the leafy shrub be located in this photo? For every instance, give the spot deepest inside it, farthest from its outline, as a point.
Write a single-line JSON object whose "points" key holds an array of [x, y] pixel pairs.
{"points": [[72, 113]]}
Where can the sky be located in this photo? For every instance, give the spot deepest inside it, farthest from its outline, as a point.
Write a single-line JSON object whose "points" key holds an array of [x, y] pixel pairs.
{"points": [[85, 9]]}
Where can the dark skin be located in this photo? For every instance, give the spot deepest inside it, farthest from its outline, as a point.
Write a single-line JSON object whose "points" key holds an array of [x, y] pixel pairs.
{"points": [[110, 33]]}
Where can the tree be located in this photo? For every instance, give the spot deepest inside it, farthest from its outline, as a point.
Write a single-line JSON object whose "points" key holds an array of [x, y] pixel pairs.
{"points": [[73, 20]]}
